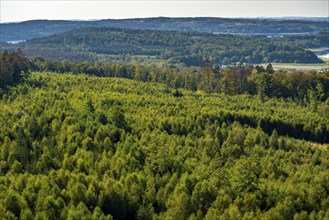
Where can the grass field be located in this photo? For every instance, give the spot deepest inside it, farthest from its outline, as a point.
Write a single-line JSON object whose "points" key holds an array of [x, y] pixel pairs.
{"points": [[300, 66], [325, 59]]}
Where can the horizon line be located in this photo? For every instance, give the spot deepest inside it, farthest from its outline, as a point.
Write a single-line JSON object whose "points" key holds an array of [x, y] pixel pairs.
{"points": [[233, 17]]}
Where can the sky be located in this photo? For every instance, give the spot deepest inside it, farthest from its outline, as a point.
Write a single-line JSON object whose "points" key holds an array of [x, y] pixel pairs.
{"points": [[22, 10]]}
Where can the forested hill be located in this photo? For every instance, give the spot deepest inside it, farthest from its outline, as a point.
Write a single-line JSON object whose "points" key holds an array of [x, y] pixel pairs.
{"points": [[78, 146], [83, 147], [40, 28], [189, 48]]}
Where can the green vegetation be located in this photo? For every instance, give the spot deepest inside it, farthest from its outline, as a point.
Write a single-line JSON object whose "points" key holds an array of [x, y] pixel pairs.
{"points": [[42, 28], [265, 82], [13, 68], [190, 49], [79, 146], [110, 140], [309, 41], [318, 44]]}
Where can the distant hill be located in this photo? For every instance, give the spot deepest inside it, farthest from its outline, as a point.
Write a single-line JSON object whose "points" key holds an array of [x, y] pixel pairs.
{"points": [[323, 19], [266, 26], [190, 48]]}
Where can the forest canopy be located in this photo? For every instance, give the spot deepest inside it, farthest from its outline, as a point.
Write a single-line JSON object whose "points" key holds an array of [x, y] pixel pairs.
{"points": [[14, 67], [257, 80], [112, 140], [173, 47], [81, 146], [265, 26]]}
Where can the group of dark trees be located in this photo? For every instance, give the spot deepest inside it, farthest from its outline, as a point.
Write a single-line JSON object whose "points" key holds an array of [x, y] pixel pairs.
{"points": [[14, 67], [85, 147], [308, 41], [173, 47]]}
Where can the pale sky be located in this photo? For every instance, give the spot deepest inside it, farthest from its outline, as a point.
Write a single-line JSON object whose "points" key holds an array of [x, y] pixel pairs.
{"points": [[22, 10]]}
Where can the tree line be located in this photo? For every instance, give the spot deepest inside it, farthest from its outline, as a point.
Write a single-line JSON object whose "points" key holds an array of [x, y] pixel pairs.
{"points": [[307, 87], [41, 28]]}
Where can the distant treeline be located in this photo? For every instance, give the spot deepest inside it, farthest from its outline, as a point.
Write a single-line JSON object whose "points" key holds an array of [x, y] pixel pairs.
{"points": [[255, 80], [42, 28], [308, 41], [173, 47], [263, 82]]}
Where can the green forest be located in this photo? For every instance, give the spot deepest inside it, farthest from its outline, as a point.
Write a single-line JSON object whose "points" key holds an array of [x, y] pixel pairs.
{"points": [[18, 31], [99, 140], [171, 47]]}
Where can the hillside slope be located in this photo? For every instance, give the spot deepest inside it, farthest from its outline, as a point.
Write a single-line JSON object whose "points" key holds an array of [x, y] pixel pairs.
{"points": [[190, 48], [78, 146], [41, 28]]}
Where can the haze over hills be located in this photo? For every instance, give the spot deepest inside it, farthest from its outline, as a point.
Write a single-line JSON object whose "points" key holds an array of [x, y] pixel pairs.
{"points": [[266, 26]]}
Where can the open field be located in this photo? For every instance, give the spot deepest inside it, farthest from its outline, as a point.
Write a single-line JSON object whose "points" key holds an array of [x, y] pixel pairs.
{"points": [[325, 59], [300, 66]]}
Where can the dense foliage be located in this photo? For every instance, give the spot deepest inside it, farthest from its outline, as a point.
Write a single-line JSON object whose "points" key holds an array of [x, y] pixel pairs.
{"points": [[177, 138], [172, 46], [83, 147], [41, 28], [14, 68], [309, 41], [307, 87]]}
